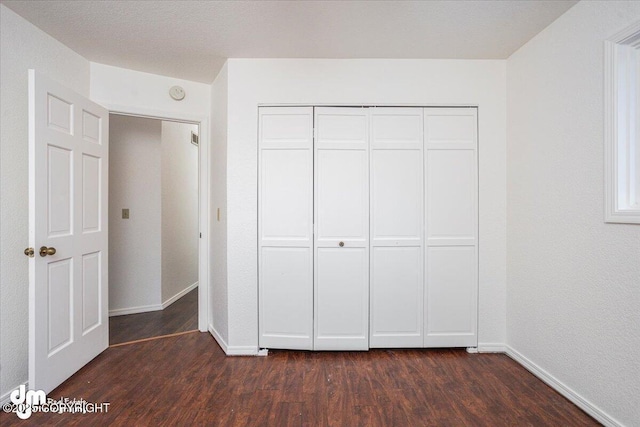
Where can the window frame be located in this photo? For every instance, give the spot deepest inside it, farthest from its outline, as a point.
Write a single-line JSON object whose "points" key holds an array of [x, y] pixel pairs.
{"points": [[622, 126]]}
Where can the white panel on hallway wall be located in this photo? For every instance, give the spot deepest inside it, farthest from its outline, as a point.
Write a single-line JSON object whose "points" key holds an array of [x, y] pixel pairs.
{"points": [[396, 227], [285, 228], [341, 181], [451, 286]]}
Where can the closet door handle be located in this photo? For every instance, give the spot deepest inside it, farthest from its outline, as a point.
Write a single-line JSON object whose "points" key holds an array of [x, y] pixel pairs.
{"points": [[341, 244]]}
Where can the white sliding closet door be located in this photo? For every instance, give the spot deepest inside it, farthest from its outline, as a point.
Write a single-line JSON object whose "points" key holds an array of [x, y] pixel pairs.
{"points": [[341, 229], [397, 227], [285, 227], [451, 295]]}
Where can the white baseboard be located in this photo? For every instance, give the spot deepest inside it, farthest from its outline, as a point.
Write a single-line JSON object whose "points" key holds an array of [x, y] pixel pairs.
{"points": [[242, 350], [221, 342], [134, 310], [491, 347], [6, 397], [179, 295], [563, 389], [154, 307], [233, 350]]}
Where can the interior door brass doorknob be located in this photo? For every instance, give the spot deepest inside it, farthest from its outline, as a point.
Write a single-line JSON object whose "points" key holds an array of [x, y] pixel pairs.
{"points": [[44, 251], [29, 252]]}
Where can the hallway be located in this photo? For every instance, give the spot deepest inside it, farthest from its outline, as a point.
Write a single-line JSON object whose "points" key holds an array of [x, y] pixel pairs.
{"points": [[181, 316]]}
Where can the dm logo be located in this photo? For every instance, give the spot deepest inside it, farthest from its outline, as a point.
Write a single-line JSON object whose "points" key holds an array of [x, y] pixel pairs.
{"points": [[26, 400]]}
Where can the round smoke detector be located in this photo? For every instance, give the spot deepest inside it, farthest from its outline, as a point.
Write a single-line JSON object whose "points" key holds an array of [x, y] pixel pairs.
{"points": [[177, 93]]}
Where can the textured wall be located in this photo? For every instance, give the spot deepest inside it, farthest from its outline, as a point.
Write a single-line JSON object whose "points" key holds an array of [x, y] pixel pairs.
{"points": [[377, 82], [573, 281], [23, 46], [218, 318], [179, 208], [134, 183], [119, 87]]}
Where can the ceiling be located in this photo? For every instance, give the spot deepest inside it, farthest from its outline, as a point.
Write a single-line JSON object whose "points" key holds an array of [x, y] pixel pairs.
{"points": [[192, 39]]}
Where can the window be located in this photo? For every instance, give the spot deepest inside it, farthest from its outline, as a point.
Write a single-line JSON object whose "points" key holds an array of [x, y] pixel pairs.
{"points": [[622, 126]]}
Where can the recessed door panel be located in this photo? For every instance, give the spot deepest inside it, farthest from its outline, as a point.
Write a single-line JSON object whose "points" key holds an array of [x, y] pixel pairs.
{"points": [[285, 127], [341, 195], [91, 277], [91, 189], [287, 298], [450, 128], [341, 307], [286, 191], [393, 128], [451, 196], [91, 127], [59, 114], [396, 191], [60, 194], [396, 297], [451, 296], [341, 126], [60, 302]]}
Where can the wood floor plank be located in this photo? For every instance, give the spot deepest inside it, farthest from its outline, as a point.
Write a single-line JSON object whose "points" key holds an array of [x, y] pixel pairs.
{"points": [[188, 380]]}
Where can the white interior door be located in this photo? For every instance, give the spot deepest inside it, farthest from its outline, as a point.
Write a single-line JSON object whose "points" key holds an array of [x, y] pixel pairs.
{"points": [[68, 166], [341, 229], [285, 227], [396, 227], [451, 297]]}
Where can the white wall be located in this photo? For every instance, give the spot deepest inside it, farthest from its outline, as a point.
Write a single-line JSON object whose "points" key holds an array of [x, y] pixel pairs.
{"points": [[120, 87], [179, 170], [573, 281], [134, 177], [218, 318], [23, 46], [378, 82]]}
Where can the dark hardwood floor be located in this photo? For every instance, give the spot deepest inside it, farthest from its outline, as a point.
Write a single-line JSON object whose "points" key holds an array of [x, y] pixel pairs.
{"points": [[187, 380], [180, 316]]}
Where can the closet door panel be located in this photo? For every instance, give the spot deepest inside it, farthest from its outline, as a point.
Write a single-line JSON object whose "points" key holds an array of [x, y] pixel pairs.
{"points": [[286, 296], [396, 297], [342, 128], [451, 296], [397, 224], [286, 191], [396, 196], [342, 196], [285, 227], [342, 229], [451, 196], [342, 311]]}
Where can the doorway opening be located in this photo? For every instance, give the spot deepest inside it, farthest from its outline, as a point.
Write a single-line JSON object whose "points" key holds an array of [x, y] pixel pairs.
{"points": [[154, 227]]}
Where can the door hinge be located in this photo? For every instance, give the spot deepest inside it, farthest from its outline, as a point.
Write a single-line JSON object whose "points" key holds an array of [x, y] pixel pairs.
{"points": [[201, 235]]}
